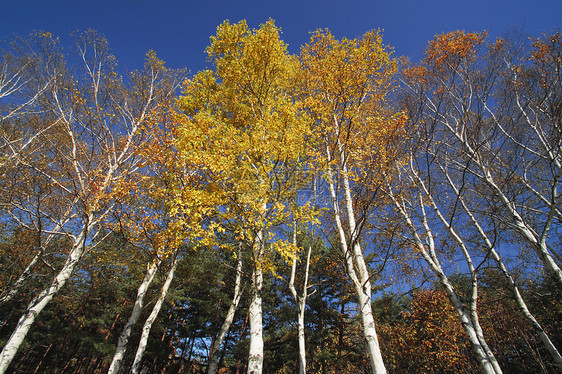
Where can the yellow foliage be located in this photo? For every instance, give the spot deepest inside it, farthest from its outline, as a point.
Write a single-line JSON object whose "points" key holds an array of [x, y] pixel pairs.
{"points": [[240, 128]]}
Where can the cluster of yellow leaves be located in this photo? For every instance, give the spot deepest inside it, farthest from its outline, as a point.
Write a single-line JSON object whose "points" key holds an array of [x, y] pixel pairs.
{"points": [[346, 84], [241, 129]]}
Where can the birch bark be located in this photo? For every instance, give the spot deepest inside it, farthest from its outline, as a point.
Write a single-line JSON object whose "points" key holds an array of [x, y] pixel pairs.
{"points": [[152, 317], [37, 305], [255, 356], [356, 268], [430, 256], [301, 302], [133, 318]]}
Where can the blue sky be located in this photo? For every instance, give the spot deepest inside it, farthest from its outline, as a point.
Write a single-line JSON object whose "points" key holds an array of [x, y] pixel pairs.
{"points": [[179, 30]]}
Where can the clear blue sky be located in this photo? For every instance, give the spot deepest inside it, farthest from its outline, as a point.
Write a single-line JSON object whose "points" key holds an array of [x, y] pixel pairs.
{"points": [[179, 30]]}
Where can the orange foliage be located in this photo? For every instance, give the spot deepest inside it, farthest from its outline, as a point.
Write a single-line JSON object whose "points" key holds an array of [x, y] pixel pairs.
{"points": [[429, 339], [450, 48]]}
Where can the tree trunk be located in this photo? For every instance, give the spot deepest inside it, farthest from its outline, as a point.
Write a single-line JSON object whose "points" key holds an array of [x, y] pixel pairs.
{"points": [[40, 302], [135, 314], [215, 349], [356, 267], [19, 282], [152, 317], [301, 302], [431, 259], [473, 309], [255, 357], [511, 284]]}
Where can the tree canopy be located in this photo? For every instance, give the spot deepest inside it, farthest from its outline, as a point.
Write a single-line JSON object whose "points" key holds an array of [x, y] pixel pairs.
{"points": [[332, 211]]}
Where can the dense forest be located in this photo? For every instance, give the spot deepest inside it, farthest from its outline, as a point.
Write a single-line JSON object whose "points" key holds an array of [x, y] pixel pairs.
{"points": [[338, 210]]}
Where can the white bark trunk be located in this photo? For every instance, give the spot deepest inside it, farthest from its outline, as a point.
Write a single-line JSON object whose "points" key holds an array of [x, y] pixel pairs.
{"points": [[255, 357], [473, 274], [301, 303], [363, 289], [356, 267], [510, 282], [19, 282], [431, 259], [361, 282], [152, 317], [468, 326], [135, 314], [214, 359], [40, 302], [302, 338]]}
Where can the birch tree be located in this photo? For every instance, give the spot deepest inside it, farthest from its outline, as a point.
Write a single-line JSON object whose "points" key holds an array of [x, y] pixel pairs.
{"points": [[300, 300], [27, 73], [496, 107], [242, 129], [86, 153], [225, 327], [346, 83], [469, 151], [415, 217]]}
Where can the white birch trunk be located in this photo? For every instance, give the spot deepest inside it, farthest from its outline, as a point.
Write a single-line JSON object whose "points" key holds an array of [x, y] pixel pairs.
{"points": [[40, 302], [301, 303], [468, 326], [355, 262], [19, 282], [135, 314], [431, 259], [302, 309], [362, 285], [510, 282], [152, 317], [473, 275], [255, 356], [215, 350]]}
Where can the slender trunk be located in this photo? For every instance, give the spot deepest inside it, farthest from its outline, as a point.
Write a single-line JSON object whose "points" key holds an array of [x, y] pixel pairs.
{"points": [[301, 303], [468, 258], [38, 257], [468, 326], [302, 307], [223, 350], [19, 282], [356, 267], [215, 349], [511, 284], [431, 259], [40, 302], [135, 314], [152, 317], [507, 276], [255, 358]]}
